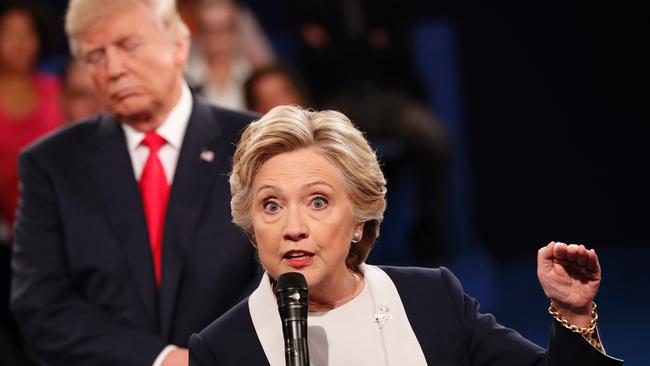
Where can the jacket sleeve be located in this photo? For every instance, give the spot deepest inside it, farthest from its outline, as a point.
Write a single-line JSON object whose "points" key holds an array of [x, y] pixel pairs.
{"points": [[489, 343], [200, 354], [57, 323]]}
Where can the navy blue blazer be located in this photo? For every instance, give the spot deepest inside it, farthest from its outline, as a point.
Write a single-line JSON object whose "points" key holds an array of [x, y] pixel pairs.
{"points": [[83, 281], [446, 322]]}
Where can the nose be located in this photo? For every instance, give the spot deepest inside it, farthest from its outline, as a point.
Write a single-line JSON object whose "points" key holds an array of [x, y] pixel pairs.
{"points": [[295, 228], [114, 63]]}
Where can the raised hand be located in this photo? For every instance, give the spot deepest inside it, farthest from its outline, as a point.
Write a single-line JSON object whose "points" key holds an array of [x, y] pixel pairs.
{"points": [[570, 276]]}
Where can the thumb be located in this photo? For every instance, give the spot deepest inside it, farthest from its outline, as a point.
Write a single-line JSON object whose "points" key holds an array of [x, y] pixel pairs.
{"points": [[545, 256]]}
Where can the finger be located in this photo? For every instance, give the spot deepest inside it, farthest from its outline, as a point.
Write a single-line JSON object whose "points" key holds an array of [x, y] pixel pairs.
{"points": [[572, 252], [592, 262], [581, 256], [560, 250], [546, 252], [545, 258]]}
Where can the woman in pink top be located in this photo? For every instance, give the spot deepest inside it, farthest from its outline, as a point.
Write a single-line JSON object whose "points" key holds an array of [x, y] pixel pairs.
{"points": [[29, 101]]}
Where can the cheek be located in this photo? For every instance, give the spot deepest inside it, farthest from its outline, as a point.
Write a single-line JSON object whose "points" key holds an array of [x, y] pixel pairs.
{"points": [[267, 242], [269, 258], [100, 85], [33, 46]]}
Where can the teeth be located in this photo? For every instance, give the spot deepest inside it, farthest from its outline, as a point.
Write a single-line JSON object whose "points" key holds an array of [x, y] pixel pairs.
{"points": [[295, 255]]}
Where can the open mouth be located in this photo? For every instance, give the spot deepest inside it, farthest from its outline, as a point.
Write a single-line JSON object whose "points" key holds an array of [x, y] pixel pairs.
{"points": [[298, 258]]}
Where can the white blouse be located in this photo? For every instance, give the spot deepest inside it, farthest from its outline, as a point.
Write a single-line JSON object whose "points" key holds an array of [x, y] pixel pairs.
{"points": [[332, 343], [371, 329]]}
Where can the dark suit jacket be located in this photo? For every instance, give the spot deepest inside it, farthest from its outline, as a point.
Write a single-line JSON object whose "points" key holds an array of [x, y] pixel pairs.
{"points": [[83, 283], [446, 322]]}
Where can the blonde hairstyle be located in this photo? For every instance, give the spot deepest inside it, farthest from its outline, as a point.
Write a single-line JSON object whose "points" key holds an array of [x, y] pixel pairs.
{"points": [[83, 14], [289, 128]]}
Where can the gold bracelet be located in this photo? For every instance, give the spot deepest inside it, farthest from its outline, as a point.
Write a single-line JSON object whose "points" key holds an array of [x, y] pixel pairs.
{"points": [[587, 333]]}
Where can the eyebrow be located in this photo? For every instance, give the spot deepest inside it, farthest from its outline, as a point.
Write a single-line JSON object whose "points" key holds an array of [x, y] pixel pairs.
{"points": [[123, 39], [317, 183], [304, 186], [92, 50], [117, 41], [267, 186]]}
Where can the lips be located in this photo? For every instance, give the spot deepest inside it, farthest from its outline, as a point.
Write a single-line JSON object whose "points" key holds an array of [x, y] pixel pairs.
{"points": [[123, 93], [298, 258]]}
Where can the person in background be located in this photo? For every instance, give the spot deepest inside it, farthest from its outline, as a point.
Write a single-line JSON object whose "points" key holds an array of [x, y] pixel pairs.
{"points": [[308, 190], [229, 44], [123, 241], [79, 98], [29, 99], [28, 109], [273, 85]]}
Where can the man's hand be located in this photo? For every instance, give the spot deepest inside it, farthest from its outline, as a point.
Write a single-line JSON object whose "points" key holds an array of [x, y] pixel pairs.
{"points": [[177, 357], [570, 276]]}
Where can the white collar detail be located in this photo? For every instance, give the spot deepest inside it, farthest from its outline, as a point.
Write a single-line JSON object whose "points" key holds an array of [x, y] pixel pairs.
{"points": [[401, 344]]}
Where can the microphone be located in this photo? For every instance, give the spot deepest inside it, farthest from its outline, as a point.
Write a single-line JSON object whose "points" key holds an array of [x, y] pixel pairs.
{"points": [[291, 292]]}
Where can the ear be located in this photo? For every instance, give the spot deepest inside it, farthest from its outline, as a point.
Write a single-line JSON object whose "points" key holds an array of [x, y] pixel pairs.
{"points": [[181, 51]]}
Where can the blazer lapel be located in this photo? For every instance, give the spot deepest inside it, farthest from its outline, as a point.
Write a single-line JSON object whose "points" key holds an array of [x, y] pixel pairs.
{"points": [[111, 165], [202, 151]]}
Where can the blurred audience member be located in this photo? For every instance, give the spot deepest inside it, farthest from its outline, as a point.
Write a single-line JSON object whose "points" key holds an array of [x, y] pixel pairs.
{"points": [[228, 45], [273, 85], [29, 100], [79, 97], [28, 109]]}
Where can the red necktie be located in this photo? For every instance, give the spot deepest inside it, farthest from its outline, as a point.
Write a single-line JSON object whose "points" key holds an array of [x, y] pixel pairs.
{"points": [[155, 192]]}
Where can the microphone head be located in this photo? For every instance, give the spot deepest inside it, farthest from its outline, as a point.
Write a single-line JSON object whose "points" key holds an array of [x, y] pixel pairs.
{"points": [[291, 290], [293, 280]]}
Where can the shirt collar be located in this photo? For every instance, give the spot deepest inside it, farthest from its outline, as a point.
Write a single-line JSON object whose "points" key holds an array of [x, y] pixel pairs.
{"points": [[172, 129]]}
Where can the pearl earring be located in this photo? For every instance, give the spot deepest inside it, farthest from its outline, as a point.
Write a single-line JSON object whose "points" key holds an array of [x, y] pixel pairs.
{"points": [[355, 238]]}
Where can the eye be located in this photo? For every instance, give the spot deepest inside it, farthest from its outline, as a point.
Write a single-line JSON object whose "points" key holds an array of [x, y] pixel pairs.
{"points": [[131, 45], [319, 202], [94, 57], [271, 207]]}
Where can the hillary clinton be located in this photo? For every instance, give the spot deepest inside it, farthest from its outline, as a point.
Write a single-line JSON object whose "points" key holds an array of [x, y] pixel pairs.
{"points": [[308, 190]]}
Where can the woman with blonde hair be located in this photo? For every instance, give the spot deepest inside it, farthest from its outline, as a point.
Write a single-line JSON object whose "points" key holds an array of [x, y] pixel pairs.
{"points": [[309, 192]]}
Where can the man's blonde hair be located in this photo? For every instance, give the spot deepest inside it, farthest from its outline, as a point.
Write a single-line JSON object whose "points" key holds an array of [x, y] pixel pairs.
{"points": [[330, 133], [83, 14]]}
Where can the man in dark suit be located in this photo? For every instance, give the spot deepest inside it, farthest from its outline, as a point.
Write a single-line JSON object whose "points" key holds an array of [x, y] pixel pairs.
{"points": [[124, 245]]}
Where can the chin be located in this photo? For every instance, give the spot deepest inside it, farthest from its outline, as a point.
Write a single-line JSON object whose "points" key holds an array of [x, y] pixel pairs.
{"points": [[310, 276], [132, 111]]}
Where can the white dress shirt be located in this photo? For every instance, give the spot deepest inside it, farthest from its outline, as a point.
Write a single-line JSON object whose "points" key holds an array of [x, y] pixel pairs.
{"points": [[173, 131]]}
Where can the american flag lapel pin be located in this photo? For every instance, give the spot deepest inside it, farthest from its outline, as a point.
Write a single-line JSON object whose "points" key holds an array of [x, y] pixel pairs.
{"points": [[207, 156]]}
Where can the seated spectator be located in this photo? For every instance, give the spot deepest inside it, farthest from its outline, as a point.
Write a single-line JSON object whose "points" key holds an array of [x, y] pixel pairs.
{"points": [[273, 85], [229, 44], [79, 98]]}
